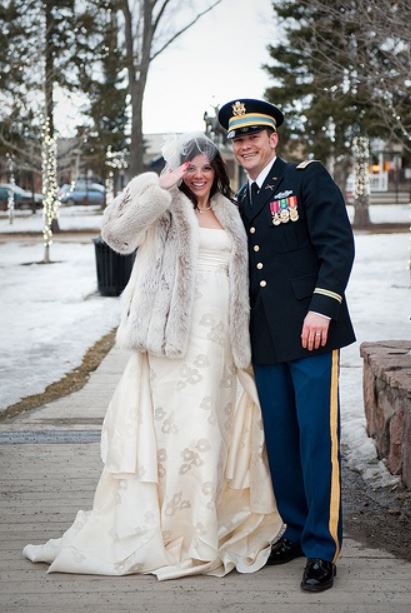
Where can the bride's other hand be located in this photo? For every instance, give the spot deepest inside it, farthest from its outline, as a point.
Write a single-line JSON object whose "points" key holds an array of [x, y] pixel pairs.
{"points": [[171, 177]]}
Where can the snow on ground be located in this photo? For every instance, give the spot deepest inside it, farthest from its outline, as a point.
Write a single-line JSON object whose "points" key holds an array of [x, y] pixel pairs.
{"points": [[70, 218], [89, 217], [49, 315], [386, 213], [378, 296]]}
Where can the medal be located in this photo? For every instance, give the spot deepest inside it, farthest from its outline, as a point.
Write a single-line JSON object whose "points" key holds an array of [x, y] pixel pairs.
{"points": [[293, 207], [275, 212], [284, 212]]}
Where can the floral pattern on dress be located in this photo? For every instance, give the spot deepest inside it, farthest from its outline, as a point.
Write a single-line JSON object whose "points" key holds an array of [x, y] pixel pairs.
{"points": [[188, 376], [215, 328], [207, 404], [179, 503], [192, 457]]}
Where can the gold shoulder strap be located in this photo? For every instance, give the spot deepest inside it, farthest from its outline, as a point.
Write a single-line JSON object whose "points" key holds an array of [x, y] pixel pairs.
{"points": [[304, 164]]}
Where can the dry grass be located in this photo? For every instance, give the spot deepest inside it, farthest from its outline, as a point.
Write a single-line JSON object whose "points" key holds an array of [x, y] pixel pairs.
{"points": [[71, 382]]}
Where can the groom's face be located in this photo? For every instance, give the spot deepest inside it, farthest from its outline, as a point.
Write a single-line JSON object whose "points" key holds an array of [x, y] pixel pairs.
{"points": [[254, 151]]}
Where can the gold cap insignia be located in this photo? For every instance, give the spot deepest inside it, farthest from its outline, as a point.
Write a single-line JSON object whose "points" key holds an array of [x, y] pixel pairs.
{"points": [[238, 108]]}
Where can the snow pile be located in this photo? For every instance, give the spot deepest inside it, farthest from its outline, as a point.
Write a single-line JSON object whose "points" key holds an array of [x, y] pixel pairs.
{"points": [[379, 300], [89, 218], [70, 218], [390, 213], [49, 315]]}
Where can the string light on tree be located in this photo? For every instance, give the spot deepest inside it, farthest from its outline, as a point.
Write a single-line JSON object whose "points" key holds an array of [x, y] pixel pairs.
{"points": [[115, 160], [109, 182], [49, 178], [10, 200], [361, 153]]}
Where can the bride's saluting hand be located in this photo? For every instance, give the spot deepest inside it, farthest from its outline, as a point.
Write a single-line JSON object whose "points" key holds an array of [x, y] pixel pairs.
{"points": [[172, 177]]}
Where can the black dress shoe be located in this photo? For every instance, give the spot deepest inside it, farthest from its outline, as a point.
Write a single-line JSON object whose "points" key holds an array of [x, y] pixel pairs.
{"points": [[284, 551], [318, 575]]}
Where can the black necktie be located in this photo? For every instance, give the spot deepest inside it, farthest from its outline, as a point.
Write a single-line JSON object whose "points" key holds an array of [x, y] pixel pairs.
{"points": [[254, 192]]}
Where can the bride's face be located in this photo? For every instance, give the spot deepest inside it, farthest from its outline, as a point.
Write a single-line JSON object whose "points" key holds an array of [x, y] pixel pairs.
{"points": [[199, 176]]}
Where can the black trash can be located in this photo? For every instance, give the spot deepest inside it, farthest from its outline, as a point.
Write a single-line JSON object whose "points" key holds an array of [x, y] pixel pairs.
{"points": [[113, 269]]}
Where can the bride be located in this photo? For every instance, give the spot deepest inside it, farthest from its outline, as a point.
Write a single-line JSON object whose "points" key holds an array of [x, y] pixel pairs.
{"points": [[185, 487]]}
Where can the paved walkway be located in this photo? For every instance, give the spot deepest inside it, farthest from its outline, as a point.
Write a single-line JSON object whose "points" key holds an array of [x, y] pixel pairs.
{"points": [[50, 464]]}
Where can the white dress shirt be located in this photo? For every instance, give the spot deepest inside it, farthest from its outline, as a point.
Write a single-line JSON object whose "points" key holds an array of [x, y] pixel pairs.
{"points": [[262, 176]]}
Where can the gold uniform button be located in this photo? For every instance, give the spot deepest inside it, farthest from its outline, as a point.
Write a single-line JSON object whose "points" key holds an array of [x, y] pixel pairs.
{"points": [[252, 230], [263, 283], [260, 265], [256, 247]]}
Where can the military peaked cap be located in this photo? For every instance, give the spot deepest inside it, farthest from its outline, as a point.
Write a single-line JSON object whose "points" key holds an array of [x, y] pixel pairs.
{"points": [[247, 116]]}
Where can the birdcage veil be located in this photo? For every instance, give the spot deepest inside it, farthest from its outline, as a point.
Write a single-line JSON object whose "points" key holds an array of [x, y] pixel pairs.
{"points": [[183, 147]]}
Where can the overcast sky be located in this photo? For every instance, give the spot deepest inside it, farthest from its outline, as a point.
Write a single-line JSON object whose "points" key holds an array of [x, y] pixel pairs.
{"points": [[218, 59]]}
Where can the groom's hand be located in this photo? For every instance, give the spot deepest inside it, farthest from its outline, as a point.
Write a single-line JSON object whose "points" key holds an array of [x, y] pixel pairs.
{"points": [[315, 331]]}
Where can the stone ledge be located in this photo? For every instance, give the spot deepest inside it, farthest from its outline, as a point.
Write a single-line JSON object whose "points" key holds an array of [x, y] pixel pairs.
{"points": [[387, 402]]}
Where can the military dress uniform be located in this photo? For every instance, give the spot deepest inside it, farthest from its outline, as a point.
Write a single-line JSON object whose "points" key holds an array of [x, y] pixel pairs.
{"points": [[301, 251]]}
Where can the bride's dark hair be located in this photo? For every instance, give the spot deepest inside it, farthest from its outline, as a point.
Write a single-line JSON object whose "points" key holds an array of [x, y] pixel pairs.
{"points": [[221, 181]]}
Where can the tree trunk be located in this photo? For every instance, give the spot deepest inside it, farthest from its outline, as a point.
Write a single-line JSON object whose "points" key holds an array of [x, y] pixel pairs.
{"points": [[361, 212], [362, 182], [136, 161], [342, 171], [139, 54], [49, 80], [49, 62]]}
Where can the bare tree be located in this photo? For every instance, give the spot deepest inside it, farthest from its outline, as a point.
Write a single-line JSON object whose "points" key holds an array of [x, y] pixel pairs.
{"points": [[376, 36], [150, 26]]}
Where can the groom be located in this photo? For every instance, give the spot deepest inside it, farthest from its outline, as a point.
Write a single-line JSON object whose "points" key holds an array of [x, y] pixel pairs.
{"points": [[300, 255]]}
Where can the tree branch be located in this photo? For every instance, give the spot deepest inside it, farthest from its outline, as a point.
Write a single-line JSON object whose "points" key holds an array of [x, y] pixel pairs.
{"points": [[184, 29], [128, 32], [160, 14]]}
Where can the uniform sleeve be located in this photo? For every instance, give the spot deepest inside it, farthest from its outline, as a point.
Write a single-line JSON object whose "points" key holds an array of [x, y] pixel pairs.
{"points": [[131, 213], [332, 237]]}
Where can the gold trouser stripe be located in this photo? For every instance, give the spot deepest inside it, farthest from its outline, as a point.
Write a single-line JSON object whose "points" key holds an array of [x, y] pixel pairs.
{"points": [[335, 498]]}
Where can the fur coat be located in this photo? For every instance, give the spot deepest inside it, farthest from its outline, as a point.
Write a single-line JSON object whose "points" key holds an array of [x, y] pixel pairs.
{"points": [[159, 296]]}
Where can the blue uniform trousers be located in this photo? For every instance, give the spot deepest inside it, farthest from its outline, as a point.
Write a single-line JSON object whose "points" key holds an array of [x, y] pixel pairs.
{"points": [[300, 407]]}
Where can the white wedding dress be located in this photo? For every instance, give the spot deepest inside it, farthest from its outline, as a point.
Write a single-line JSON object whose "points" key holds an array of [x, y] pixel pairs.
{"points": [[185, 488]]}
